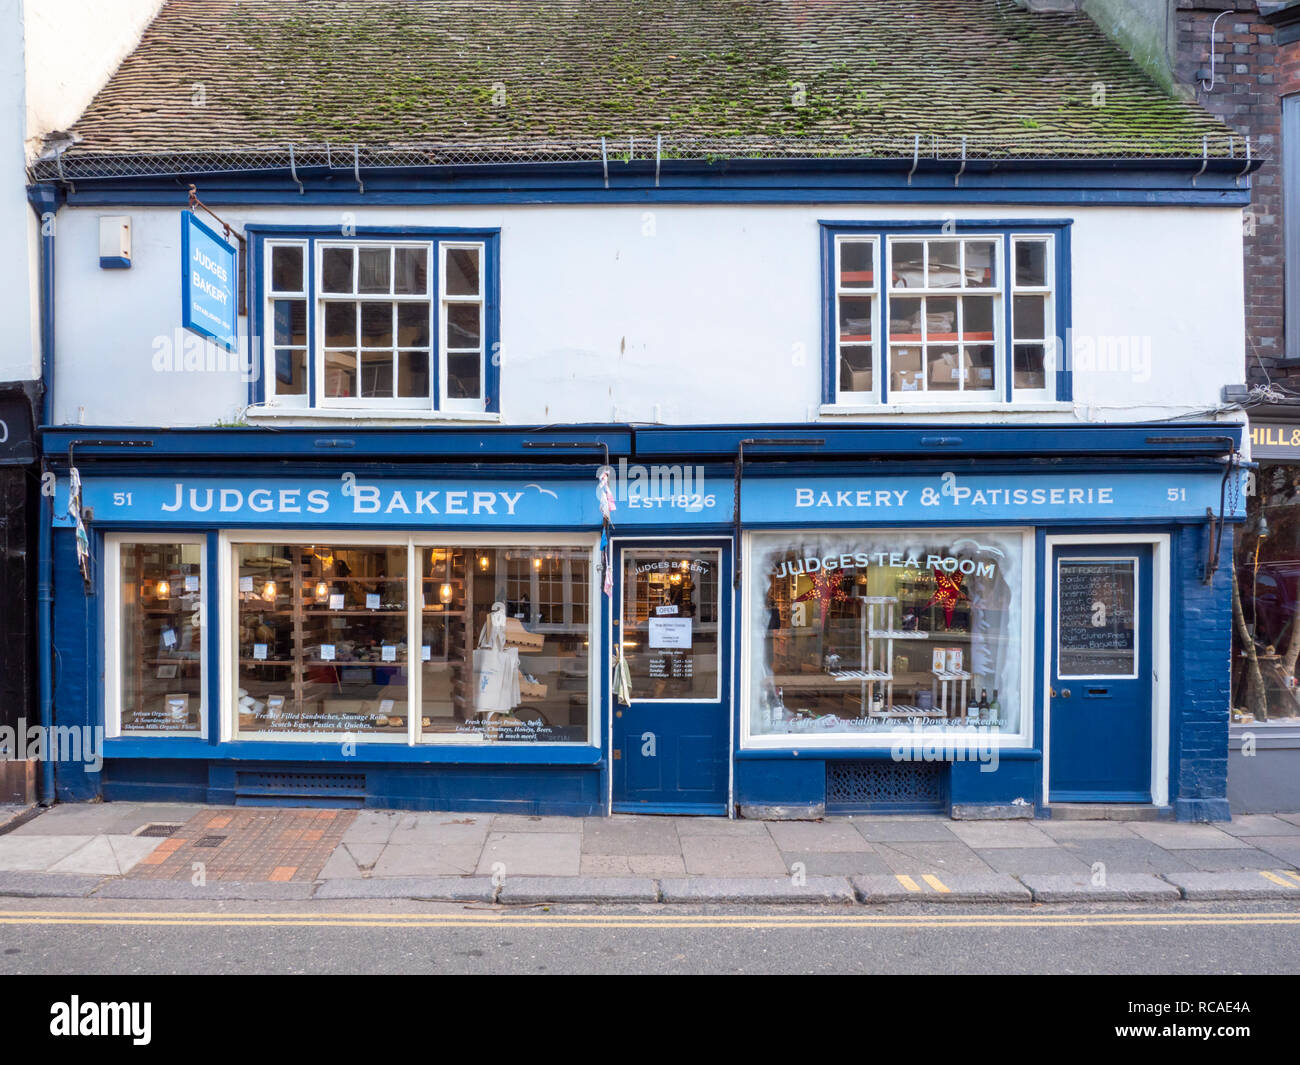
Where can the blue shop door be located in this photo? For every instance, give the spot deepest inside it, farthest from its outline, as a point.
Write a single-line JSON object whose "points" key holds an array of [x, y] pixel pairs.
{"points": [[671, 743], [1100, 694]]}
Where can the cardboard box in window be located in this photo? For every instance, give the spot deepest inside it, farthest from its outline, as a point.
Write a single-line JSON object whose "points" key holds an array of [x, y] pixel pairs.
{"points": [[979, 377], [530, 690], [855, 380], [520, 637], [1028, 379], [944, 370], [905, 374]]}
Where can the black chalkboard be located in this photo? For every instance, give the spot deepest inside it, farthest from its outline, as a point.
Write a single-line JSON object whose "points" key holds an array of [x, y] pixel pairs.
{"points": [[1094, 616]]}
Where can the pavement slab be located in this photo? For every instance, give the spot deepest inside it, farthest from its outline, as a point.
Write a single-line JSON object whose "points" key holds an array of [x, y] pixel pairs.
{"points": [[1114, 887], [107, 855], [1285, 847], [819, 889], [833, 837], [437, 829], [428, 888], [720, 826], [535, 823], [1260, 825], [960, 887], [842, 863], [630, 835], [10, 813], [448, 859], [531, 854], [1290, 819], [372, 826], [651, 865], [915, 858], [984, 834], [732, 856], [1017, 860], [106, 818], [35, 885], [1218, 860], [890, 831], [533, 889], [1179, 836], [1072, 830], [37, 853], [1131, 855], [1241, 884]]}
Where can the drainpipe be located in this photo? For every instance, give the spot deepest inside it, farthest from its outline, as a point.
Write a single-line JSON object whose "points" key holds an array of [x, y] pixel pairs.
{"points": [[45, 201]]}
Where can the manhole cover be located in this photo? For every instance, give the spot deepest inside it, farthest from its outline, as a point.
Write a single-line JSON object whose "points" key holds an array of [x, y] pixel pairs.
{"points": [[210, 841], [159, 828]]}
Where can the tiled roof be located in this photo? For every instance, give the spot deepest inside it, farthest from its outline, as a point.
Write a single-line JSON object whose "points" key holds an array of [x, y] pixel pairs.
{"points": [[542, 78]]}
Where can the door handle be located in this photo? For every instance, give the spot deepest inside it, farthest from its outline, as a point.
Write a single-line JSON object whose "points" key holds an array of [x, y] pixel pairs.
{"points": [[1065, 693]]}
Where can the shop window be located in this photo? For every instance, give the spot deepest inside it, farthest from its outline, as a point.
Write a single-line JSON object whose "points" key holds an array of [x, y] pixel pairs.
{"points": [[156, 637], [670, 623], [859, 635], [387, 324], [953, 316]]}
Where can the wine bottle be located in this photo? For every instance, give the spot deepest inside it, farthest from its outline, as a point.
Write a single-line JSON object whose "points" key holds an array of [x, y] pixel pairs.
{"points": [[984, 702], [995, 709]]}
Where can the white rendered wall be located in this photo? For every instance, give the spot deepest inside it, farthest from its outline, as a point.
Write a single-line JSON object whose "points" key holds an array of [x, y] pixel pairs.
{"points": [[19, 250], [678, 314]]}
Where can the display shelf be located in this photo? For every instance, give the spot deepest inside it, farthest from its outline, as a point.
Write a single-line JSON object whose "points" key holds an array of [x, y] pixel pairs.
{"points": [[901, 634]]}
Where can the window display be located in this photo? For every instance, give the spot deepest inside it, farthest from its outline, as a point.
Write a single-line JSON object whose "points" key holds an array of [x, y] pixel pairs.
{"points": [[670, 623], [161, 623], [867, 632]]}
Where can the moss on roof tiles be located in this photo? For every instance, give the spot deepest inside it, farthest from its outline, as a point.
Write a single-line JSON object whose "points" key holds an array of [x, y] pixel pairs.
{"points": [[406, 72]]}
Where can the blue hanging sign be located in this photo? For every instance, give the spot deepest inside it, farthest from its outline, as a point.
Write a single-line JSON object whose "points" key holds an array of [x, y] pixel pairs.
{"points": [[209, 282]]}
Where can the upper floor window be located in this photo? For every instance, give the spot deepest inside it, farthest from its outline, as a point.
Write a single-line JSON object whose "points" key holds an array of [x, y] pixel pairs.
{"points": [[969, 315], [405, 323]]}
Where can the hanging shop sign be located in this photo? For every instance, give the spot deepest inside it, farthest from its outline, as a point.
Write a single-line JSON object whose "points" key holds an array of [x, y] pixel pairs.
{"points": [[209, 281], [1275, 441]]}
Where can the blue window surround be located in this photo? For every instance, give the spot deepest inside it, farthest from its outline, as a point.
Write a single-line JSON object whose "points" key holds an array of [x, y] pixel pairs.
{"points": [[259, 234], [1057, 228]]}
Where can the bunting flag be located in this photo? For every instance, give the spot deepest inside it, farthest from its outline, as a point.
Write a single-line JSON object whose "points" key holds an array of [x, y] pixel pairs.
{"points": [[74, 512], [605, 499]]}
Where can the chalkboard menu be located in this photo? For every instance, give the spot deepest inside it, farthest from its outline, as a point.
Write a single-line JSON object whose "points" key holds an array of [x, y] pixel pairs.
{"points": [[1094, 619]]}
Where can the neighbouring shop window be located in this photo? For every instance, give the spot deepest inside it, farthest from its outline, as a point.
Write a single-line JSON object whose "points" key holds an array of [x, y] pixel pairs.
{"points": [[862, 633], [160, 632], [505, 643], [1266, 600], [669, 623], [322, 639]]}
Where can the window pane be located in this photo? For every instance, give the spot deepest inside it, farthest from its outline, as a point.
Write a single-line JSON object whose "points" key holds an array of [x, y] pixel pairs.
{"points": [[980, 368], [375, 274], [290, 322], [856, 266], [906, 371], [413, 374], [462, 272], [1028, 366], [336, 268], [286, 269], [855, 318], [910, 631], [855, 368], [462, 325], [522, 680], [161, 633], [412, 271], [1031, 262], [1095, 620], [945, 269], [340, 373], [907, 264], [322, 639], [670, 623], [340, 325], [904, 318], [943, 368], [376, 374], [981, 264], [1028, 317], [290, 372], [377, 325], [977, 317], [412, 325], [940, 319], [463, 376]]}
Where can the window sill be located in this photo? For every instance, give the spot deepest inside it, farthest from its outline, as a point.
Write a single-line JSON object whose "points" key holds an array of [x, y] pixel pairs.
{"points": [[329, 415], [840, 410]]}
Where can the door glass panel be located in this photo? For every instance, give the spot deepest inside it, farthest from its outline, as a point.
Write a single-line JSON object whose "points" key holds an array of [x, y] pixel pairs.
{"points": [[670, 622], [1095, 620]]}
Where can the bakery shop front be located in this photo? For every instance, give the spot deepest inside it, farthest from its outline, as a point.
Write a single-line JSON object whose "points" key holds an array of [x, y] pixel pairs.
{"points": [[621, 619]]}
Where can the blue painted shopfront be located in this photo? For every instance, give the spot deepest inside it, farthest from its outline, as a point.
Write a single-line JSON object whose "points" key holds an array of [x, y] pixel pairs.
{"points": [[1049, 482]]}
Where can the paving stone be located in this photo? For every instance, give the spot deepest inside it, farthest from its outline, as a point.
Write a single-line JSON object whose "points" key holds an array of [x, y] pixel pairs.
{"points": [[960, 887], [426, 888], [10, 813], [983, 834], [78, 819], [732, 856], [1219, 860], [1285, 847], [535, 823], [340, 866], [251, 890], [532, 854], [1017, 860], [839, 863], [922, 857], [720, 826], [1175, 836], [901, 831], [1242, 884], [1260, 825], [651, 865], [516, 889], [630, 835], [819, 889], [34, 853], [1071, 830], [817, 836], [1131, 855], [427, 859], [1290, 819], [34, 885], [372, 826], [107, 856], [442, 829], [1116, 887]]}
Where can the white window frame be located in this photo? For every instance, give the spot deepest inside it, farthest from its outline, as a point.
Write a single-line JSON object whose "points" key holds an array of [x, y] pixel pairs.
{"points": [[442, 348], [113, 643], [303, 401], [1022, 738], [871, 396], [229, 622], [1051, 342]]}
